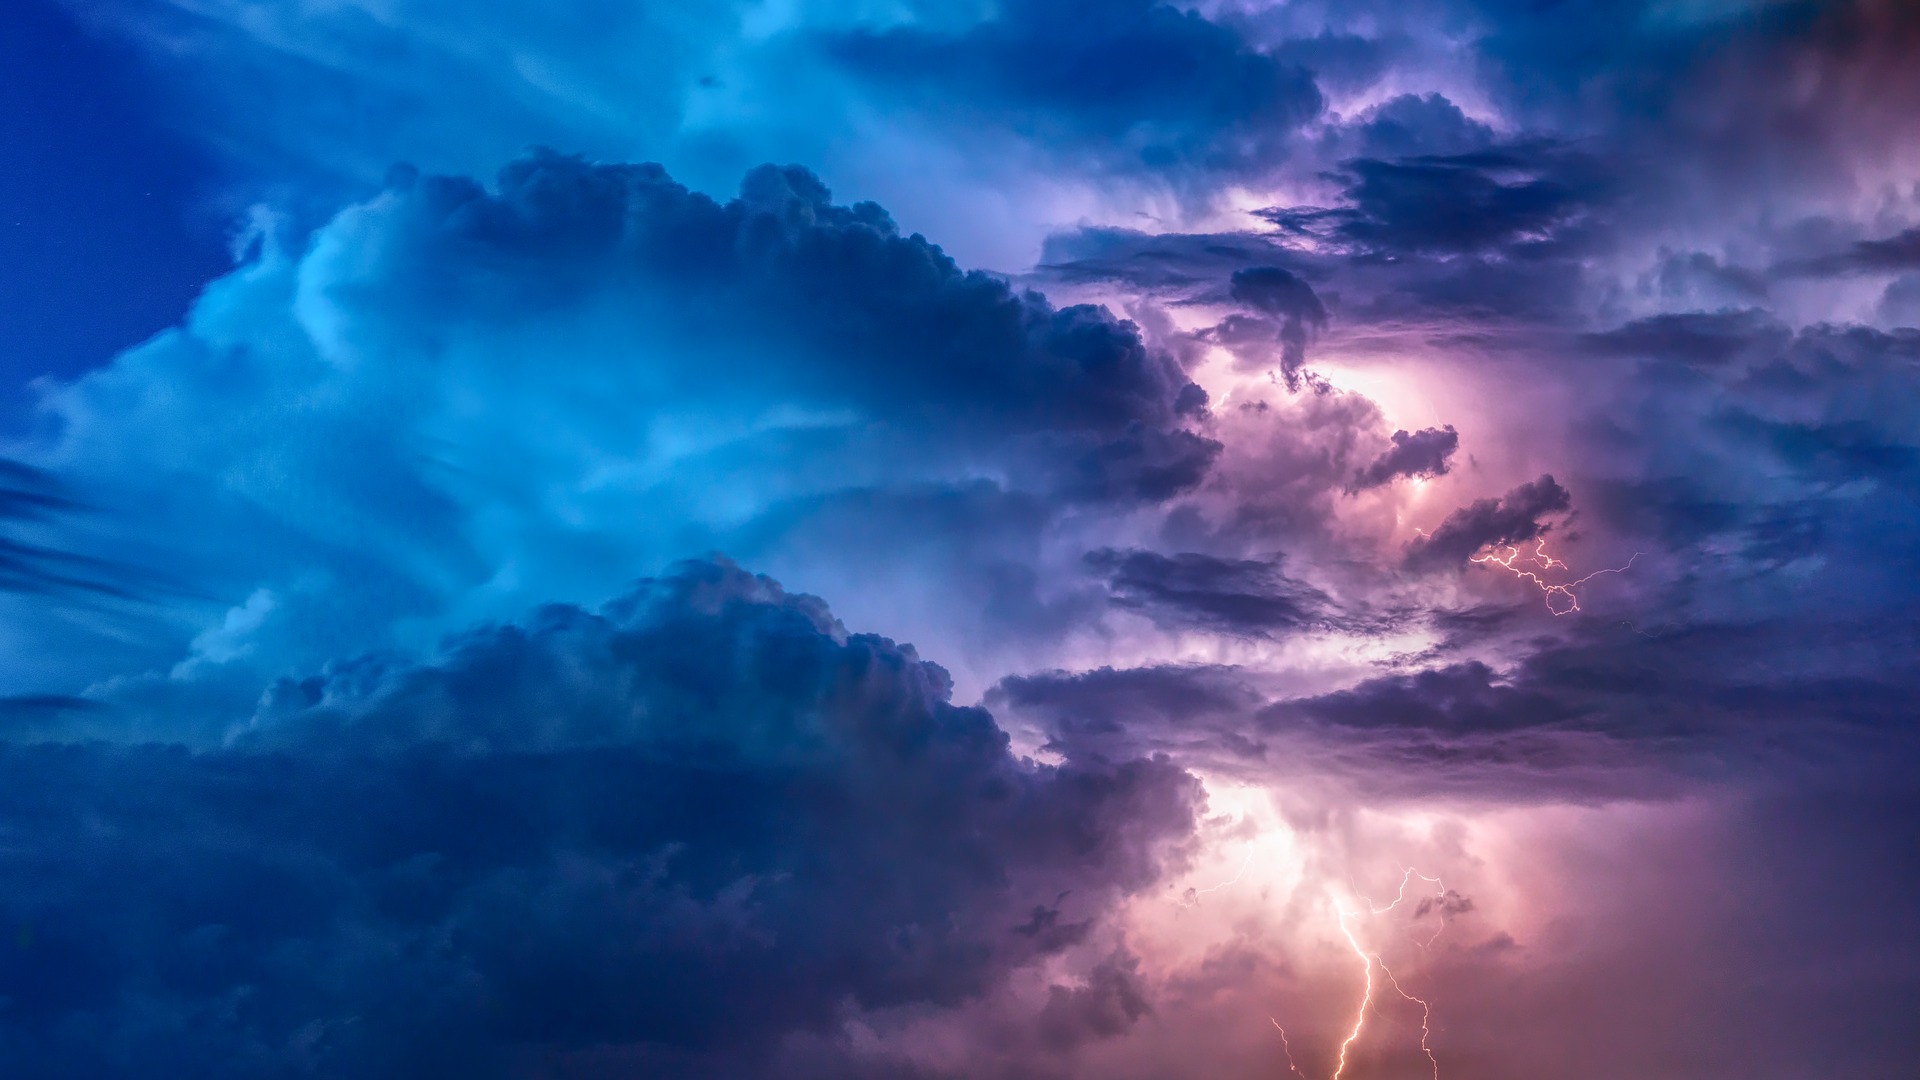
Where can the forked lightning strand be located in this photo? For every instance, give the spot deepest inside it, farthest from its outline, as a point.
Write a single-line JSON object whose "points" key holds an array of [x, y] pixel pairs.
{"points": [[1287, 1048], [1369, 961], [1560, 598]]}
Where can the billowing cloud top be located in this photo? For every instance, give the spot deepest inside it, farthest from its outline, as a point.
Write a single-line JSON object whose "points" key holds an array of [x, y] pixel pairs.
{"points": [[513, 843]]}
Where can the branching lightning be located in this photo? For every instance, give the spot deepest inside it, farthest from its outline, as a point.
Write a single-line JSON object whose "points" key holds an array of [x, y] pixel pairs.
{"points": [[1369, 960], [1351, 908], [1560, 597]]}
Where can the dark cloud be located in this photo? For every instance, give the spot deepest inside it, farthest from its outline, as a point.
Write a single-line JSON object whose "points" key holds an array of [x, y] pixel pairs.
{"points": [[1113, 999], [1279, 293], [1838, 451], [1513, 518], [705, 831], [1116, 714], [1140, 84], [1419, 453], [1495, 234], [1708, 282], [1890, 255], [1695, 337], [1143, 464], [1462, 699], [1611, 708], [1195, 267], [1522, 199], [1420, 125], [1723, 400], [21, 714], [671, 832], [1900, 303], [1243, 597], [1700, 86], [1338, 61]]}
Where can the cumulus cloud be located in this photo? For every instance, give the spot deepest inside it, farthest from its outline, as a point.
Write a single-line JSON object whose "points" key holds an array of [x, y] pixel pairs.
{"points": [[1890, 255], [1513, 518], [1515, 196], [491, 860], [464, 398], [1278, 293], [1233, 596], [1423, 453], [1700, 337], [1420, 125], [1196, 711], [1141, 84], [1460, 698]]}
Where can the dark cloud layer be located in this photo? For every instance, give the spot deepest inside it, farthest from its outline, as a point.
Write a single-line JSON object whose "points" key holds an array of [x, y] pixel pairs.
{"points": [[784, 265], [1700, 337], [1513, 518], [1111, 714], [1280, 294], [1143, 85], [1517, 197], [1231, 596], [401, 404], [1885, 256], [1424, 453], [659, 837], [1466, 698]]}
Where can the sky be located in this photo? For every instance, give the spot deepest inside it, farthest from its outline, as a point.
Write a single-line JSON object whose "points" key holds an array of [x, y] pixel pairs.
{"points": [[918, 539]]}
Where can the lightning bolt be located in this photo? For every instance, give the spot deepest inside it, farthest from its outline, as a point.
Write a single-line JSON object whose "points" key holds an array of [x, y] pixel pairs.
{"points": [[1287, 1048], [1560, 597], [1368, 962], [1426, 1019], [1192, 898]]}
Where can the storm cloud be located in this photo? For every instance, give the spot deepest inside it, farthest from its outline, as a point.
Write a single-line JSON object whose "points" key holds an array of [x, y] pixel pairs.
{"points": [[1423, 453], [1513, 518], [1161, 370], [484, 861]]}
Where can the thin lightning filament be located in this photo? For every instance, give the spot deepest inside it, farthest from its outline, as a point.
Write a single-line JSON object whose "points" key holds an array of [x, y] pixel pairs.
{"points": [[1369, 960], [1560, 596]]}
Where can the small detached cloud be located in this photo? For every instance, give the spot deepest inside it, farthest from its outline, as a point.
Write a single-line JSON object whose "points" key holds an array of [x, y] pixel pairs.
{"points": [[1239, 597], [1282, 295], [1513, 518], [1513, 198], [1890, 255], [1424, 453]]}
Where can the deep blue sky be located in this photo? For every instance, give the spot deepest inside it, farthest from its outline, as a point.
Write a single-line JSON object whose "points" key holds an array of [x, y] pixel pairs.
{"points": [[108, 218]]}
